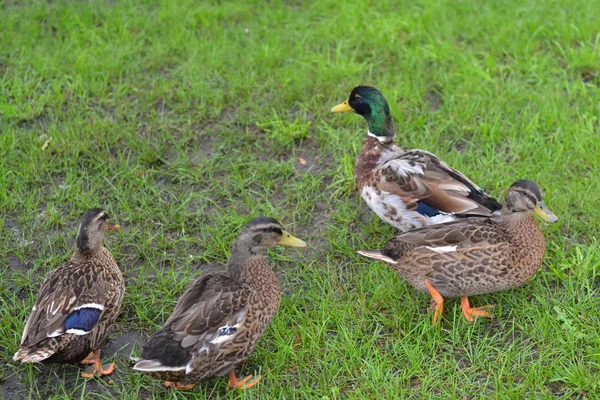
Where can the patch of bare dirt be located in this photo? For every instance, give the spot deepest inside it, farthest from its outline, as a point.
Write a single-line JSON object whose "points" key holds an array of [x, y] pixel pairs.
{"points": [[434, 98], [162, 108], [462, 145], [121, 346], [39, 122], [13, 389], [16, 264], [590, 77], [202, 150], [307, 158]]}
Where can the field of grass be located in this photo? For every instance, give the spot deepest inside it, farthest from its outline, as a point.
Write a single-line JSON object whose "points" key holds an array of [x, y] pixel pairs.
{"points": [[186, 119]]}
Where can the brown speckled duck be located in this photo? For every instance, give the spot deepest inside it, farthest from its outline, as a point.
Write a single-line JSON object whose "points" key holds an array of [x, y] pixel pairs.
{"points": [[77, 304], [473, 255], [408, 188], [219, 319]]}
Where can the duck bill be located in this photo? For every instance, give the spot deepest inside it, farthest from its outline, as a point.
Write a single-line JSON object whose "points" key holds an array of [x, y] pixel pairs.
{"points": [[291, 241], [543, 212], [114, 227], [344, 107]]}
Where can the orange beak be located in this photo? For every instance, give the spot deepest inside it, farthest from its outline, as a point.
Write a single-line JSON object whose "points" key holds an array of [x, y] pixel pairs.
{"points": [[114, 227]]}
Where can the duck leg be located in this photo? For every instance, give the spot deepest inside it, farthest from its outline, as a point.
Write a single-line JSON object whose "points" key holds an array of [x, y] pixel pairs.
{"points": [[234, 383], [90, 359], [96, 369], [438, 300], [471, 313], [178, 385]]}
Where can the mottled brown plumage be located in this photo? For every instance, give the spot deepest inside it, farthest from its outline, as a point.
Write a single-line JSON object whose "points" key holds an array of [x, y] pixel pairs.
{"points": [[220, 318], [473, 255], [408, 188], [77, 303]]}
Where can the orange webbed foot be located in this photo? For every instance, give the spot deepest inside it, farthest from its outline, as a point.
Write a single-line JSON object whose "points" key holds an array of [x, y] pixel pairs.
{"points": [[471, 313], [178, 385], [242, 385], [96, 369], [438, 302]]}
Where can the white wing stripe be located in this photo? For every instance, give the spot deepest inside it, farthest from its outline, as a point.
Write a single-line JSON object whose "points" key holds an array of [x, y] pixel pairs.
{"points": [[155, 366], [442, 249], [90, 305], [78, 332]]}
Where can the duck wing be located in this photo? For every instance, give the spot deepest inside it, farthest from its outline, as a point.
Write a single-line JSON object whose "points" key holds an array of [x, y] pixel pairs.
{"points": [[448, 237], [71, 301], [209, 313], [428, 185]]}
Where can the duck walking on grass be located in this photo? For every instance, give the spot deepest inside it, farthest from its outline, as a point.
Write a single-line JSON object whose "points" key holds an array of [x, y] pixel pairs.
{"points": [[473, 255], [408, 188], [220, 318], [77, 303]]}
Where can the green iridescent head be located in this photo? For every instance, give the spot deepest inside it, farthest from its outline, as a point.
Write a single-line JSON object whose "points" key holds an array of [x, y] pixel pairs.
{"points": [[370, 103]]}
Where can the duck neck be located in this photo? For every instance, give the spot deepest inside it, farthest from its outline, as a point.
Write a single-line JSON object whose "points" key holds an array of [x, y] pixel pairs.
{"points": [[526, 237], [380, 125], [101, 255], [241, 250], [253, 272], [244, 256]]}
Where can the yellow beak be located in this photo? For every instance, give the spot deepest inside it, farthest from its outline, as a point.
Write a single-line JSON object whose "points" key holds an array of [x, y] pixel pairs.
{"points": [[344, 107], [543, 212], [290, 241], [114, 227]]}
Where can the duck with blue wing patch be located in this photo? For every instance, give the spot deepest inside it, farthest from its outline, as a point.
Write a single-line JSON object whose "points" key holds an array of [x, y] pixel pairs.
{"points": [[473, 255], [220, 318], [77, 303], [408, 188]]}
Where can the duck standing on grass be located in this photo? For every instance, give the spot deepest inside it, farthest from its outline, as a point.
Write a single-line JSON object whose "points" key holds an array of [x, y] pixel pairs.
{"points": [[220, 318], [408, 188], [473, 255], [77, 303]]}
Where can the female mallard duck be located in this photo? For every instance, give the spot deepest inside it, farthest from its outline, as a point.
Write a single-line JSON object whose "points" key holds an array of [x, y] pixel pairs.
{"points": [[408, 188], [473, 255], [218, 321], [77, 304]]}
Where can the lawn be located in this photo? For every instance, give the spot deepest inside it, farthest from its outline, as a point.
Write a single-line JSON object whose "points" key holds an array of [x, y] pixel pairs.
{"points": [[186, 119]]}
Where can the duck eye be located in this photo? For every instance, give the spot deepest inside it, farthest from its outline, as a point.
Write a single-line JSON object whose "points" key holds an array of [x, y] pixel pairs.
{"points": [[358, 97]]}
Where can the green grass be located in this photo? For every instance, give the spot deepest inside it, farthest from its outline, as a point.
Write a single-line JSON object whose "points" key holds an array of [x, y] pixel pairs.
{"points": [[187, 119]]}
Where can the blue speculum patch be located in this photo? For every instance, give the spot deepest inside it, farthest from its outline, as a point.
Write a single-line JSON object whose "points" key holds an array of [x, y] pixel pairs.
{"points": [[226, 331], [84, 319], [427, 210]]}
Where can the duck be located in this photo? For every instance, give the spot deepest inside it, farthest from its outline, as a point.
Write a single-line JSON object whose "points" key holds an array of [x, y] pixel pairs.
{"points": [[77, 303], [219, 319], [408, 189], [473, 256]]}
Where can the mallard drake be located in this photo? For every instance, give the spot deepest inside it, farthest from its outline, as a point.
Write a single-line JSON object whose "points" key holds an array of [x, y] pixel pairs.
{"points": [[220, 318], [473, 255], [77, 303], [407, 188]]}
